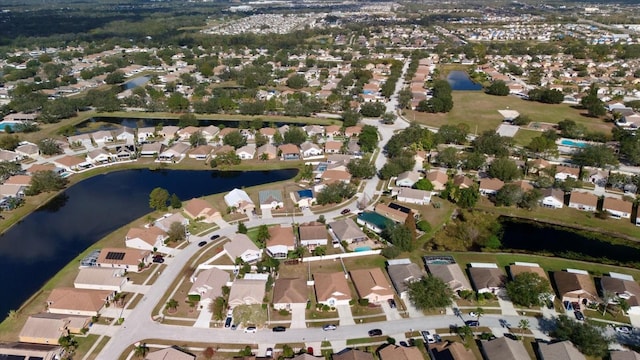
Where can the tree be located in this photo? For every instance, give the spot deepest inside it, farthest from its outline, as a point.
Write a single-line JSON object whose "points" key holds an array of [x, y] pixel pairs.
{"points": [[335, 193], [48, 146], [9, 142], [451, 134], [44, 181], [523, 325], [586, 337], [509, 195], [368, 138], [504, 169], [595, 155], [177, 102], [491, 143], [263, 234], [176, 232], [141, 350], [479, 313], [593, 104], [116, 77], [197, 139], [187, 119], [175, 201], [473, 161], [389, 118], [429, 293], [527, 289], [499, 88], [295, 135], [449, 157], [361, 168], [423, 184], [208, 353], [468, 197], [297, 81], [158, 199], [410, 223], [530, 199], [465, 333], [350, 118], [242, 228], [320, 251], [68, 343], [544, 146], [235, 139], [172, 304], [400, 236], [372, 109]]}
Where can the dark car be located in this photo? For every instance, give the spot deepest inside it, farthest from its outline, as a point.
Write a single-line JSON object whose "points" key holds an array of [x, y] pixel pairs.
{"points": [[579, 315], [227, 322], [473, 323], [279, 329], [214, 237], [345, 211], [375, 332], [404, 343], [202, 243], [392, 303], [158, 260]]}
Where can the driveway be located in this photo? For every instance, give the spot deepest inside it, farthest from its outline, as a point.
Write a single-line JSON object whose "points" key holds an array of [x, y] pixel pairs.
{"points": [[204, 318], [391, 314], [346, 317], [298, 318], [266, 214], [413, 312]]}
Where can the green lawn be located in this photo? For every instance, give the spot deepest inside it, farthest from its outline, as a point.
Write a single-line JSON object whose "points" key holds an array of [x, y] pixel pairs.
{"points": [[523, 137]]}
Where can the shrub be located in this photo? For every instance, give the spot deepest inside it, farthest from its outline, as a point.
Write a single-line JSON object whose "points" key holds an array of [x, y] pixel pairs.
{"points": [[423, 226], [193, 297], [283, 312], [363, 302]]}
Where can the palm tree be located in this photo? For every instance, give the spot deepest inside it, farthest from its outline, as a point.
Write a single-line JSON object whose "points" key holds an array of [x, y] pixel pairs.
{"points": [[607, 296], [141, 350], [479, 313], [172, 304], [523, 325]]}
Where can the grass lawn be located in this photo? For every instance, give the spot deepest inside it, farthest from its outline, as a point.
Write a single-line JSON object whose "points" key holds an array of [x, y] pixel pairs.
{"points": [[523, 136], [85, 343], [480, 111]]}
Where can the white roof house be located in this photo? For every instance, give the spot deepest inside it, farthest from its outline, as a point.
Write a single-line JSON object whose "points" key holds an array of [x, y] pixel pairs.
{"points": [[414, 196], [239, 200]]}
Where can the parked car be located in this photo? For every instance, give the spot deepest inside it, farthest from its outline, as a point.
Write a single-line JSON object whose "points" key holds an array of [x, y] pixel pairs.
{"points": [[269, 352], [404, 343], [158, 260], [234, 326], [345, 211], [473, 323], [623, 329], [392, 303], [228, 321], [473, 314], [279, 329], [250, 329], [214, 237], [437, 337], [202, 243], [375, 332], [579, 315], [428, 338], [329, 327]]}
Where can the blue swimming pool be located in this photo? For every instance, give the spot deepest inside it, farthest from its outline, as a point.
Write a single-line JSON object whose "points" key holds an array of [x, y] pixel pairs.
{"points": [[573, 143], [362, 248], [4, 125]]}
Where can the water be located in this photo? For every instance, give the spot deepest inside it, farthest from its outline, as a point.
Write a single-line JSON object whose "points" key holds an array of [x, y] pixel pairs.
{"points": [[134, 83], [459, 80], [35, 249], [573, 143], [110, 123]]}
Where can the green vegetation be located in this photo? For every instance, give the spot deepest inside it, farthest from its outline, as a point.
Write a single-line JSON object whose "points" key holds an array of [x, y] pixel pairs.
{"points": [[430, 293]]}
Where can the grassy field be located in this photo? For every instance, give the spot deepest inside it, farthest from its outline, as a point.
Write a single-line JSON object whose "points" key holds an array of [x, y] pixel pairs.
{"points": [[479, 112]]}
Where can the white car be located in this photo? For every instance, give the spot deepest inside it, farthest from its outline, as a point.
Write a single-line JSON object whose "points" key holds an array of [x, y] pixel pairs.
{"points": [[623, 330], [473, 314], [250, 329]]}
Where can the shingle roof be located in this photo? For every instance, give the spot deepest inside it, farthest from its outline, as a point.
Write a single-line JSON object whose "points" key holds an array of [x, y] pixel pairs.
{"points": [[290, 290]]}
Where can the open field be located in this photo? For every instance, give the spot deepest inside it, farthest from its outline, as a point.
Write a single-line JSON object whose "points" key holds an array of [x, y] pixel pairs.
{"points": [[479, 112]]}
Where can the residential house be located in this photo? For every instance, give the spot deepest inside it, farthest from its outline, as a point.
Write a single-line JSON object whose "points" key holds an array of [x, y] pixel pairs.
{"points": [[352, 131], [332, 130], [145, 238], [552, 198], [373, 221], [102, 137], [72, 301], [6, 155], [450, 351], [124, 134], [124, 152], [486, 277], [270, 199], [19, 350], [565, 172], [583, 201], [371, 284], [624, 355], [269, 133], [504, 348], [353, 148], [99, 156], [518, 268], [408, 178], [175, 153], [201, 152], [450, 274], [346, 230], [538, 164], [414, 196], [47, 329], [222, 150], [27, 149], [462, 182], [144, 134], [240, 246], [19, 180], [100, 279], [523, 185], [173, 353], [151, 149], [335, 175], [267, 152], [575, 288], [289, 152], [69, 163], [281, 241], [41, 167], [81, 140], [624, 287], [438, 179], [202, 210], [332, 288], [564, 350], [12, 191], [352, 354], [185, 133], [132, 260], [247, 291], [310, 150], [304, 356], [313, 130], [168, 132], [490, 186], [617, 208], [210, 132], [288, 292], [239, 201], [304, 198], [246, 152], [165, 222], [395, 352], [393, 212], [312, 235], [402, 272], [333, 147], [208, 285]]}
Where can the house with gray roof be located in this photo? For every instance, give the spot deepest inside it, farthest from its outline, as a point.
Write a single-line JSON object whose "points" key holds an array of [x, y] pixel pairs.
{"points": [[450, 274], [270, 199], [402, 272], [563, 350], [347, 230], [504, 349]]}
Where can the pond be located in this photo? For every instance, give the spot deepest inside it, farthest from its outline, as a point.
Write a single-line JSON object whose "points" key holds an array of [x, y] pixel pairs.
{"points": [[134, 83], [34, 250], [460, 80]]}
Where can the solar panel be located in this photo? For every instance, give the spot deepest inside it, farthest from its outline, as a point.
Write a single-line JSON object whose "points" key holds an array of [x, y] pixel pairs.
{"points": [[111, 255]]}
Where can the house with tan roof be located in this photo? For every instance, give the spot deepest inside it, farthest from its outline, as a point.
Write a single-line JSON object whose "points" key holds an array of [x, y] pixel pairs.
{"points": [[352, 131], [267, 152], [312, 235], [165, 222], [145, 133], [624, 355], [565, 172], [486, 277], [395, 352], [408, 178], [240, 246], [333, 147], [210, 132], [120, 258], [40, 167], [332, 288], [450, 351], [538, 164], [352, 354], [47, 328], [185, 133], [414, 196], [504, 348], [371, 284], [170, 353], [617, 208], [269, 133], [151, 149], [72, 301], [576, 287], [247, 292], [583, 201], [281, 241], [69, 163], [490, 186], [93, 278], [564, 350], [83, 140], [20, 180], [518, 268], [289, 152], [222, 150], [28, 149], [450, 274], [334, 175], [168, 132], [438, 179], [99, 156], [145, 238], [201, 152], [391, 213], [310, 150], [289, 291], [175, 153], [246, 152], [332, 130], [202, 210], [240, 201], [462, 182], [208, 285], [101, 137], [347, 230]]}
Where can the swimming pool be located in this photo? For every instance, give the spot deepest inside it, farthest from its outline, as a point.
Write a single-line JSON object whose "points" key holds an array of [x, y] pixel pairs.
{"points": [[573, 143], [362, 248], [4, 125]]}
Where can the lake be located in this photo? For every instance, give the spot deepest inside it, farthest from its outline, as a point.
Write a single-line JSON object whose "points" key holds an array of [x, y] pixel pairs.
{"points": [[134, 83], [460, 80], [35, 249]]}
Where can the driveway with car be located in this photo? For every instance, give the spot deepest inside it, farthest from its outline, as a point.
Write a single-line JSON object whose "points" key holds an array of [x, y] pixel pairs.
{"points": [[390, 313]]}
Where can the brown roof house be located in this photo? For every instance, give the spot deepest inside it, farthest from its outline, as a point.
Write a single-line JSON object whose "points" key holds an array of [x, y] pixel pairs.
{"points": [[46, 328], [394, 352], [391, 213], [289, 152], [624, 287], [462, 182], [402, 272], [352, 354], [371, 284], [565, 172], [145, 238], [523, 267], [289, 291], [450, 351], [438, 179], [624, 355], [451, 274], [240, 246], [313, 234], [504, 349], [202, 210], [281, 241], [208, 285], [563, 350], [490, 186], [335, 175], [132, 260], [575, 287], [486, 277], [583, 201], [170, 353], [248, 291], [93, 278], [347, 230], [331, 288], [617, 208], [72, 301]]}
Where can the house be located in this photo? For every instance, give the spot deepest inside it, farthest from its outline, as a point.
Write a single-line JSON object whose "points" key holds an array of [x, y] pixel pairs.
{"points": [[304, 198], [145, 133], [332, 130], [202, 210], [69, 163], [168, 132], [624, 355], [552, 198], [538, 164], [523, 185], [518, 268], [240, 246], [414, 196], [100, 279], [99, 156], [222, 150], [373, 221], [20, 180], [165, 222], [246, 152], [504, 348], [201, 152], [352, 354], [371, 284], [312, 235], [565, 172], [310, 150], [247, 291], [101, 137], [335, 175], [27, 149], [151, 149], [408, 178], [289, 152], [82, 140], [239, 201], [312, 130], [269, 133], [564, 350], [462, 182], [395, 352], [438, 179], [346, 230], [490, 186], [281, 241], [6, 155], [19, 350], [185, 133], [124, 152], [267, 152], [575, 287], [146, 238], [47, 328], [289, 291], [332, 288], [208, 285], [270, 199], [352, 131], [12, 191], [450, 351], [72, 301], [624, 287], [333, 147], [210, 132], [392, 212], [402, 272], [173, 353], [486, 277], [583, 201], [41, 167], [450, 274], [132, 260], [124, 134], [175, 153], [617, 208]]}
